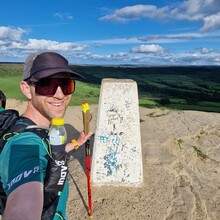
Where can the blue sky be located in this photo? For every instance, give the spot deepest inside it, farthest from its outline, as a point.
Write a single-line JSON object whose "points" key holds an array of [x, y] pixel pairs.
{"points": [[102, 32]]}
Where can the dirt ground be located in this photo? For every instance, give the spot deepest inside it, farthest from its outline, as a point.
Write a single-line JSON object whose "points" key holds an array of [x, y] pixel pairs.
{"points": [[181, 163]]}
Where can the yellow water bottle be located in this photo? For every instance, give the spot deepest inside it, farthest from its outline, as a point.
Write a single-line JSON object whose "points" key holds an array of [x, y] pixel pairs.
{"points": [[57, 132]]}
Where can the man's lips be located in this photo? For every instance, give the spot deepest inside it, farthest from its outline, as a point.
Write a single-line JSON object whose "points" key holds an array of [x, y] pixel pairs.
{"points": [[56, 104]]}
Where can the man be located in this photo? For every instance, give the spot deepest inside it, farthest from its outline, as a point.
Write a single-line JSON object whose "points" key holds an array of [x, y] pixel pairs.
{"points": [[48, 85]]}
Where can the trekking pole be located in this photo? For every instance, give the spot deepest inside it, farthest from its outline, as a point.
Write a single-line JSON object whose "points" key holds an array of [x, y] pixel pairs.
{"points": [[86, 124]]}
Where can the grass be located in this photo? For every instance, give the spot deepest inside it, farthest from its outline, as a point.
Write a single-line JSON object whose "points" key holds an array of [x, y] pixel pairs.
{"points": [[85, 92], [179, 142], [182, 88], [154, 114], [199, 153], [10, 86], [8, 70], [11, 75], [195, 107], [147, 102]]}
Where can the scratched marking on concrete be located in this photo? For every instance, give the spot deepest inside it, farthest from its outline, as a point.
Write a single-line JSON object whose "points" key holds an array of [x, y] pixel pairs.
{"points": [[117, 157]]}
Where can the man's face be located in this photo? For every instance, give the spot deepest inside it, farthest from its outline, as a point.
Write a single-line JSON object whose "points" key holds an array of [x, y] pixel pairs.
{"points": [[51, 106]]}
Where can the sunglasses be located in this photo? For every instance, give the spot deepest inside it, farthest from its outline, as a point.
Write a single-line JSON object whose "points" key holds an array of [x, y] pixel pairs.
{"points": [[48, 86]]}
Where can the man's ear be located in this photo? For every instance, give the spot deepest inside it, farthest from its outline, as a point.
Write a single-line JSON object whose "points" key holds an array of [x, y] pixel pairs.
{"points": [[25, 88]]}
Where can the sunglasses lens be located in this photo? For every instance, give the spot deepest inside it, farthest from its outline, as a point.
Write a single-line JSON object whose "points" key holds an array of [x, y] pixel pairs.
{"points": [[68, 86], [48, 86]]}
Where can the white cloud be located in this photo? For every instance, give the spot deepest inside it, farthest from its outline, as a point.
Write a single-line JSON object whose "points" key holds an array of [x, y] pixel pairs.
{"points": [[211, 22], [114, 18], [58, 14], [136, 12], [34, 44], [63, 16], [113, 41], [152, 48], [53, 45], [69, 17], [205, 50], [12, 45], [205, 11], [156, 39], [11, 34]]}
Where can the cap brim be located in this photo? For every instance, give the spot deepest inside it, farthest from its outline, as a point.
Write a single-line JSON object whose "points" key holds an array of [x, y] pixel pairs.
{"points": [[50, 72]]}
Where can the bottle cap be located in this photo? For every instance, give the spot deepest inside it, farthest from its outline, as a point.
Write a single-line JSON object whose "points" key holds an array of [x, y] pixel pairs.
{"points": [[57, 121]]}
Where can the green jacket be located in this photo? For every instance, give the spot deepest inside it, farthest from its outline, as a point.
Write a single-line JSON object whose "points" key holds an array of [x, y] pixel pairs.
{"points": [[23, 160]]}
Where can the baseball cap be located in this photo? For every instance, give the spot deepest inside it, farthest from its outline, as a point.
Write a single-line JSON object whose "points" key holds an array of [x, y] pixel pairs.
{"points": [[43, 64]]}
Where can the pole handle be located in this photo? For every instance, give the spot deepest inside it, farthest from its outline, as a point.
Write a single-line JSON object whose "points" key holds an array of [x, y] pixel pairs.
{"points": [[86, 117]]}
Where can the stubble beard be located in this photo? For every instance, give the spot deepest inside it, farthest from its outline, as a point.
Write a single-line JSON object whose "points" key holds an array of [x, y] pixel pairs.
{"points": [[49, 111]]}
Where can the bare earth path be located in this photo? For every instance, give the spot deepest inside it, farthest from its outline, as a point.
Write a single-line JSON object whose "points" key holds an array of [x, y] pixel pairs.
{"points": [[181, 161]]}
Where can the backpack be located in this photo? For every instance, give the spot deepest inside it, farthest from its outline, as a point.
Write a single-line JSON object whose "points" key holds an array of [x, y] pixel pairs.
{"points": [[7, 119], [2, 99], [10, 124]]}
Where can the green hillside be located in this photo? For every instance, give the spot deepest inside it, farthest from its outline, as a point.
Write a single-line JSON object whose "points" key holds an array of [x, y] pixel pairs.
{"points": [[195, 88]]}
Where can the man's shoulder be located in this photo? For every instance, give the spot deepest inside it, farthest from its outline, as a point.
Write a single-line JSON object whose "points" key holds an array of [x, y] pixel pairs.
{"points": [[25, 138], [26, 143]]}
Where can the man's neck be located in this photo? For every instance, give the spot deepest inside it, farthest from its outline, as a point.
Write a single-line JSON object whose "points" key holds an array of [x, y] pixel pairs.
{"points": [[36, 117]]}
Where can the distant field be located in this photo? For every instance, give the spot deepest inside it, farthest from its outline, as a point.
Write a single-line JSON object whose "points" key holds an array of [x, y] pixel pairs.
{"points": [[194, 88], [11, 75]]}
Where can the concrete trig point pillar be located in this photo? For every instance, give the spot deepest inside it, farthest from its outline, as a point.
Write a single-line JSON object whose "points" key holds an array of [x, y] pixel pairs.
{"points": [[117, 155]]}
